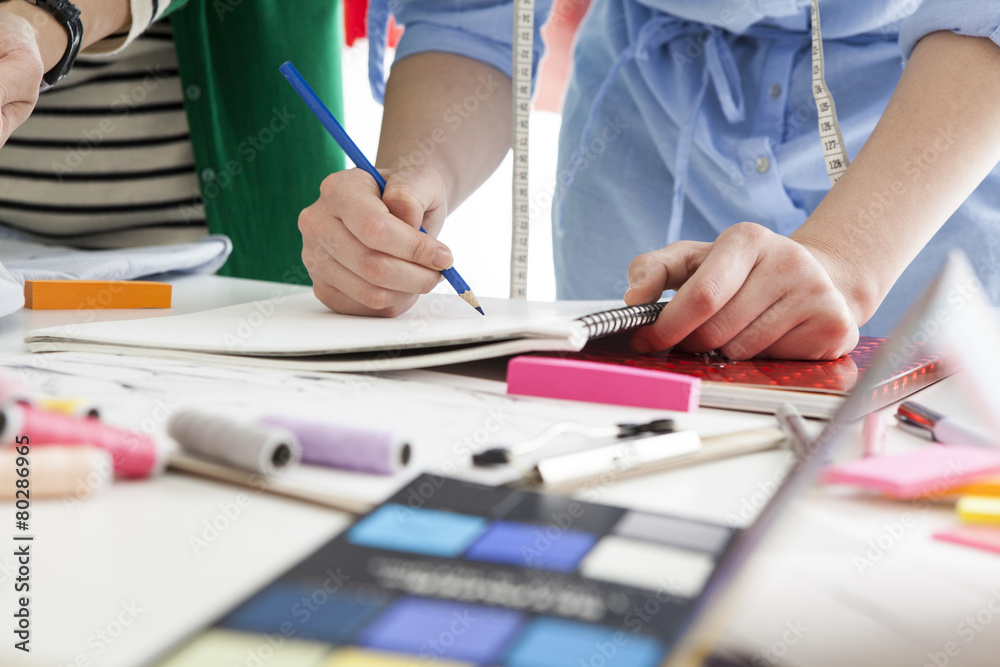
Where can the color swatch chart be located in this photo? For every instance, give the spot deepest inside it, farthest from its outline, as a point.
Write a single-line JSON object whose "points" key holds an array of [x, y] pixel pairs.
{"points": [[453, 573]]}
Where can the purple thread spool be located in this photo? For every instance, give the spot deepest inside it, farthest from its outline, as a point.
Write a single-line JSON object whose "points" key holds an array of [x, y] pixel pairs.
{"points": [[346, 446]]}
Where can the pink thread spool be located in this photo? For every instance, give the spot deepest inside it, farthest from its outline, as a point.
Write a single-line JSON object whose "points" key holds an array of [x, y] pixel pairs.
{"points": [[133, 454]]}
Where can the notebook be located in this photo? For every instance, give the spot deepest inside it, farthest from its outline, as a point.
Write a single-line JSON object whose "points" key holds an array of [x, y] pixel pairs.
{"points": [[816, 388], [300, 333]]}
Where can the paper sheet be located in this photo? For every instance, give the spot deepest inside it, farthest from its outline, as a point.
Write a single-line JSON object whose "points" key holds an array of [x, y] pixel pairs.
{"points": [[23, 259], [446, 417]]}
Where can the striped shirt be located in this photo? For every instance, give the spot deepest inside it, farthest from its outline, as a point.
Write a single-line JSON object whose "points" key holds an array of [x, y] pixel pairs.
{"points": [[105, 160]]}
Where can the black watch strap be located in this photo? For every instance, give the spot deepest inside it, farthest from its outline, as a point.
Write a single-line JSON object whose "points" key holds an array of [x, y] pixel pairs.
{"points": [[68, 15]]}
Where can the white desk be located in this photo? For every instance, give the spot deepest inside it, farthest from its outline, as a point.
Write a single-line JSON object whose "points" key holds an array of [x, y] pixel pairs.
{"points": [[115, 579]]}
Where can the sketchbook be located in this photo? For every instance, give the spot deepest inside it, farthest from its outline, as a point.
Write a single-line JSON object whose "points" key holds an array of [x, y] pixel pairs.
{"points": [[300, 333], [815, 388]]}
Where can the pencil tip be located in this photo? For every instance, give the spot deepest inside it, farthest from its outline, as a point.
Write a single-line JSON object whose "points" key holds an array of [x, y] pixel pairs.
{"points": [[471, 299]]}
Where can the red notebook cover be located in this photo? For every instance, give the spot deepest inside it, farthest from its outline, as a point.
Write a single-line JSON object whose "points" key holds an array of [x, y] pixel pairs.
{"points": [[738, 384]]}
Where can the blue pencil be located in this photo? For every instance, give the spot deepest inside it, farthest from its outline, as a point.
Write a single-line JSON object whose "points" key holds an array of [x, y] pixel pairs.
{"points": [[316, 105]]}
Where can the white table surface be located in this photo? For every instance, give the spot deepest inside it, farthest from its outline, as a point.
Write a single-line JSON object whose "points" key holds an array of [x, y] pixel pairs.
{"points": [[115, 580]]}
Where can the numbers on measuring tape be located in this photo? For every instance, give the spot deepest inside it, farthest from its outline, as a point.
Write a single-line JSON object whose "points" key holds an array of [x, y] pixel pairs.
{"points": [[524, 20], [834, 148]]}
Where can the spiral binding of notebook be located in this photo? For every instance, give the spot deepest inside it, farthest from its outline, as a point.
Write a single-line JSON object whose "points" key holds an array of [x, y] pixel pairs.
{"points": [[621, 319]]}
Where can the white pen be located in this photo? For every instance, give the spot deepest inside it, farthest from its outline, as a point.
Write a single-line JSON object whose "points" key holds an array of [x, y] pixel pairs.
{"points": [[615, 459], [923, 420]]}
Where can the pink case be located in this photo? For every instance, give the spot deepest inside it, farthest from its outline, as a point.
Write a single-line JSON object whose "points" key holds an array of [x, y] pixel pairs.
{"points": [[602, 383]]}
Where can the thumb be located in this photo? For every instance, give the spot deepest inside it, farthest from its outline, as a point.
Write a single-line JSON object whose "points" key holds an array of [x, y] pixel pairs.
{"points": [[416, 195]]}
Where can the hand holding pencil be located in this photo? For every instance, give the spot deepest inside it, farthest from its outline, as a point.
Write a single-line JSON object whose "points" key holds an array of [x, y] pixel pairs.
{"points": [[365, 242], [365, 254]]}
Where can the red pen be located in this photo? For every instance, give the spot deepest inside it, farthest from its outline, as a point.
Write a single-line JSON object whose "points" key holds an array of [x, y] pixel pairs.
{"points": [[924, 421]]}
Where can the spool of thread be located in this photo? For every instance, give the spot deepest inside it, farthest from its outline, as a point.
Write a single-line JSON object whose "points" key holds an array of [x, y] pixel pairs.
{"points": [[57, 470], [133, 454], [242, 444], [351, 447]]}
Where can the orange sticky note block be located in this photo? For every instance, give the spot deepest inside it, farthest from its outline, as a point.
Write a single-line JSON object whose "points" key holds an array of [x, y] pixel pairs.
{"points": [[88, 294], [984, 486], [979, 509]]}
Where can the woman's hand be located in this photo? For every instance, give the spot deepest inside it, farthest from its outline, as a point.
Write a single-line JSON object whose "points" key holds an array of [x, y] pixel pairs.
{"points": [[21, 72], [751, 292], [366, 254]]}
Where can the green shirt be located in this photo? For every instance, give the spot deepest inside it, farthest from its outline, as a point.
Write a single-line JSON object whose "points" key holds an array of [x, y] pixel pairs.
{"points": [[260, 154]]}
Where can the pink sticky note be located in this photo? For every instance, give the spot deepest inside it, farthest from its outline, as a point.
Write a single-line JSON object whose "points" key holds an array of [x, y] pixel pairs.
{"points": [[602, 383], [979, 537], [929, 470]]}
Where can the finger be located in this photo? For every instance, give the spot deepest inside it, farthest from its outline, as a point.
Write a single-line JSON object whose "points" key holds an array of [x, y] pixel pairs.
{"points": [[416, 196], [757, 335], [721, 274], [377, 268], [651, 273], [824, 337], [11, 117], [18, 90], [740, 328], [338, 252], [344, 292], [371, 222]]}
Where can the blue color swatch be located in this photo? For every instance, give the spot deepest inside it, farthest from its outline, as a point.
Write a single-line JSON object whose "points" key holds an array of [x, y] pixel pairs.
{"points": [[551, 642], [438, 629], [530, 545], [420, 531], [309, 611]]}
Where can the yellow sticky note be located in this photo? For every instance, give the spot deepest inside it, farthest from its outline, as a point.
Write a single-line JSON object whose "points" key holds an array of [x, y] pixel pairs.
{"points": [[979, 509], [359, 657], [218, 647]]}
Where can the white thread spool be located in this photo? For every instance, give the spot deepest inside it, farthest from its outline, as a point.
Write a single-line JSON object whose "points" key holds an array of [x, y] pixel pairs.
{"points": [[242, 444]]}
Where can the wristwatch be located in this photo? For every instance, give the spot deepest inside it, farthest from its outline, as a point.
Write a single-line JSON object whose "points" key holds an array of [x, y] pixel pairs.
{"points": [[68, 15]]}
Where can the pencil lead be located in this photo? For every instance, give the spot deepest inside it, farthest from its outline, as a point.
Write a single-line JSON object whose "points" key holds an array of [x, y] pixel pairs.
{"points": [[471, 299]]}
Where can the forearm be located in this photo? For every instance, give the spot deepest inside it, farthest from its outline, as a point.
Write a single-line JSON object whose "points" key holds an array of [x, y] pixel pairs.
{"points": [[937, 140], [100, 18], [448, 112]]}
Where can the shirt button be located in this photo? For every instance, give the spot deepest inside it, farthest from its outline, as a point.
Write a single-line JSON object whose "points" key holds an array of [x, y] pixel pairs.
{"points": [[192, 92], [208, 174], [774, 92], [762, 164]]}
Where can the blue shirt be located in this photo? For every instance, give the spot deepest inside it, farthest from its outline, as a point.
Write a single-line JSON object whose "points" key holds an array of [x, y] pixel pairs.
{"points": [[683, 118]]}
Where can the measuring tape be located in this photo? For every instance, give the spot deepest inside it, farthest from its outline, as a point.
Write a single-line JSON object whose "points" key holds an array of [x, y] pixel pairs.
{"points": [[834, 149], [524, 26]]}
